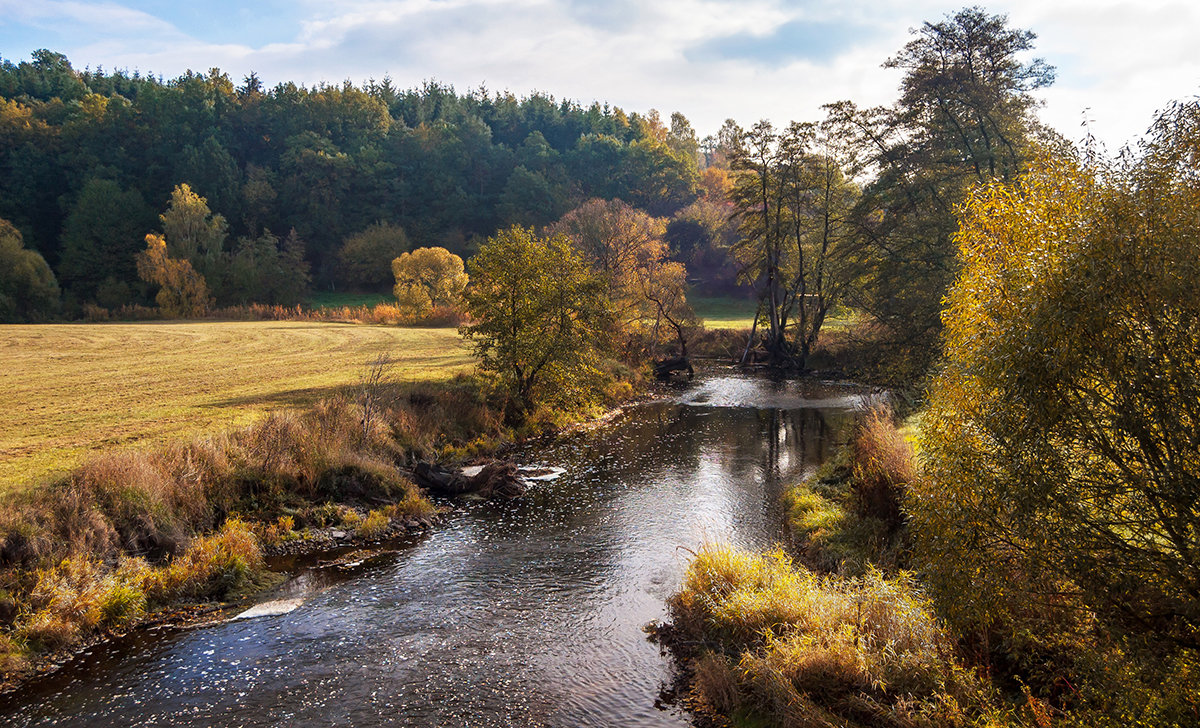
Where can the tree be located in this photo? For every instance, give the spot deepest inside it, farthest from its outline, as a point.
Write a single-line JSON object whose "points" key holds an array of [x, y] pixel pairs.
{"points": [[964, 117], [663, 285], [429, 277], [614, 238], [182, 291], [193, 233], [1063, 434], [539, 313], [28, 290], [99, 239], [366, 257], [268, 270], [792, 200]]}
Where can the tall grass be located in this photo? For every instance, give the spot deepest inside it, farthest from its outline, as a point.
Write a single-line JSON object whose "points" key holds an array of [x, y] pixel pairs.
{"points": [[794, 648]]}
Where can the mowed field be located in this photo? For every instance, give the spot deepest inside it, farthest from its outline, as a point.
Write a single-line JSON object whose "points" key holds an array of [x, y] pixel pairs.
{"points": [[69, 389]]}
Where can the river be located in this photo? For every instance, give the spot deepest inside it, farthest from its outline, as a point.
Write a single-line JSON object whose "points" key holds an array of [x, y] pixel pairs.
{"points": [[527, 613]]}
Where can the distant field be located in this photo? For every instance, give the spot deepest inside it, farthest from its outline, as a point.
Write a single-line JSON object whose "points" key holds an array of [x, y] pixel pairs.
{"points": [[69, 389], [738, 313], [329, 299], [724, 312]]}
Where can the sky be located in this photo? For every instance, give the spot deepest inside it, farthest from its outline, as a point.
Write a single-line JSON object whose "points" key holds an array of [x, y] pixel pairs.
{"points": [[1117, 62]]}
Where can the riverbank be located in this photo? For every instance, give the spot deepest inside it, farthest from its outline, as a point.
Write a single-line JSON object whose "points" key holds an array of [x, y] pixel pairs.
{"points": [[130, 536], [834, 632], [523, 612]]}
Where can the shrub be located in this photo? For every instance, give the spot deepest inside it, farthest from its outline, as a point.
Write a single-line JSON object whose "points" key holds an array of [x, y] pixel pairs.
{"points": [[813, 650], [212, 566], [375, 525]]}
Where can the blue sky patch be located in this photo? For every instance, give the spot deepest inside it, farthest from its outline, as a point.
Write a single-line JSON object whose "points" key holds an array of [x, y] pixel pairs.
{"points": [[798, 40]]}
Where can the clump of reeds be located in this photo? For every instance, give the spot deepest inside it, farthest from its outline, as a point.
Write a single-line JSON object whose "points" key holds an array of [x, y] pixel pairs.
{"points": [[882, 467], [808, 649]]}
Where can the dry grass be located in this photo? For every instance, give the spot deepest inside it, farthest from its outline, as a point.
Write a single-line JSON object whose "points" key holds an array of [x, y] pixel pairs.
{"points": [[883, 466], [73, 389], [131, 531], [800, 649], [848, 517]]}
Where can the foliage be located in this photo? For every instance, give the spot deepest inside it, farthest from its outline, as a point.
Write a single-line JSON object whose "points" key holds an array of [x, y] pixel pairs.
{"points": [[328, 161], [100, 240], [540, 315], [192, 232], [1061, 446], [182, 291], [428, 277], [268, 269], [800, 649], [365, 256], [791, 198], [700, 236], [27, 287], [646, 290], [964, 117]]}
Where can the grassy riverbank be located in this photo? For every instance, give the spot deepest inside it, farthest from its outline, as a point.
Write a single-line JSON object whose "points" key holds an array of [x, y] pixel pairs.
{"points": [[838, 631], [169, 457]]}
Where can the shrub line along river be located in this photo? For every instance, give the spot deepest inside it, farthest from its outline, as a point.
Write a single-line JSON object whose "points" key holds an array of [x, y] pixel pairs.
{"points": [[527, 613]]}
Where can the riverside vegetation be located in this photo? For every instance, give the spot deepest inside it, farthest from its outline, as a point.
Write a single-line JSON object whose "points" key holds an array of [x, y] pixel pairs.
{"points": [[1022, 550]]}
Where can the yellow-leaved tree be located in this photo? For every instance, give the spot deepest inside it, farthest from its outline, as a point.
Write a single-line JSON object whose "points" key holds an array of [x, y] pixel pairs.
{"points": [[1062, 441], [182, 291], [428, 277]]}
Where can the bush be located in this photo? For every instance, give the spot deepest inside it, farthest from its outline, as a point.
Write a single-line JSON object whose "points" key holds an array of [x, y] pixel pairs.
{"points": [[810, 650]]}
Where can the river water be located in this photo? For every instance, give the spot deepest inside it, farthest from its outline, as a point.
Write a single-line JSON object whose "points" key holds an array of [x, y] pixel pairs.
{"points": [[528, 613]]}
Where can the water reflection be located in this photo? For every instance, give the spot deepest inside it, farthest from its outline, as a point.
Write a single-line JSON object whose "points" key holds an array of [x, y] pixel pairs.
{"points": [[520, 614]]}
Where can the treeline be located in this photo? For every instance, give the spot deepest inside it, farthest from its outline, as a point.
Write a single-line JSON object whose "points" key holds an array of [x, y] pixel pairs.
{"points": [[89, 158]]}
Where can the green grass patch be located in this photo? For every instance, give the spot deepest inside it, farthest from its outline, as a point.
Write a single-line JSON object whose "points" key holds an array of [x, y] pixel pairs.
{"points": [[724, 312], [340, 299]]}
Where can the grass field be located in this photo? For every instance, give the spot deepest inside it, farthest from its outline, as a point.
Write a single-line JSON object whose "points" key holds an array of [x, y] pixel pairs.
{"points": [[738, 313], [333, 299], [71, 389]]}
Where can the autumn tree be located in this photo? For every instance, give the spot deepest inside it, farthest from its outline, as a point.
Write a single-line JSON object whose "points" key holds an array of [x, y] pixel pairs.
{"points": [[193, 233], [182, 291], [616, 240], [428, 277], [1063, 435], [28, 290], [540, 316]]}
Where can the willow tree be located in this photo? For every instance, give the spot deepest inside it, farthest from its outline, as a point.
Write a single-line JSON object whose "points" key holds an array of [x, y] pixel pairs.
{"points": [[1063, 436]]}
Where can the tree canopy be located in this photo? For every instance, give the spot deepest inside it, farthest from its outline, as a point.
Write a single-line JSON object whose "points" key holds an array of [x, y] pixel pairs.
{"points": [[540, 316]]}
